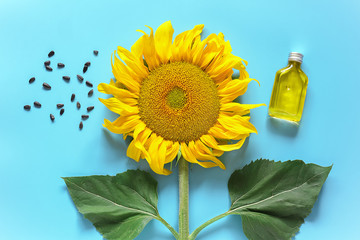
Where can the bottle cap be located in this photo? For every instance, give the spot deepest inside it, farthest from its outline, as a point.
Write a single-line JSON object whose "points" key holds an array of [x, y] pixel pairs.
{"points": [[295, 56]]}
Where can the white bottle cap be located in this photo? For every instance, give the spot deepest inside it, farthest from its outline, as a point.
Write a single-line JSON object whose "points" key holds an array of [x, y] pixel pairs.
{"points": [[295, 56]]}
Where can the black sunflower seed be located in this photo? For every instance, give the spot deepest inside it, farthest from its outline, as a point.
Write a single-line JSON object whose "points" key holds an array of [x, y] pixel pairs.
{"points": [[80, 78], [31, 80], [61, 65], [90, 93], [48, 68], [52, 117], [84, 117], [89, 109], [37, 104], [81, 125], [52, 53], [85, 69], [87, 64], [66, 78], [59, 105], [62, 111], [47, 63], [78, 105], [72, 97], [46, 86], [96, 52], [27, 107], [89, 84]]}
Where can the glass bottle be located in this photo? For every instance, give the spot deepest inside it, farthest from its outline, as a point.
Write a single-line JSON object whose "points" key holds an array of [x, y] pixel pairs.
{"points": [[289, 91]]}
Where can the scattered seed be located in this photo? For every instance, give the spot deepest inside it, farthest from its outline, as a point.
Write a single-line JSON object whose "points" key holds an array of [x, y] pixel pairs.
{"points": [[31, 80], [61, 65], [59, 105], [62, 111], [87, 64], [49, 68], [90, 93], [46, 86], [66, 78], [81, 125], [52, 53], [78, 105], [89, 109], [27, 107], [47, 63], [37, 104], [89, 84], [85, 69], [84, 117], [72, 97], [80, 78], [52, 117], [96, 52]]}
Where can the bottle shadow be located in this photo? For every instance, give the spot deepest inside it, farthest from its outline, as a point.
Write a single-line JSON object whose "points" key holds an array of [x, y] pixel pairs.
{"points": [[282, 127]]}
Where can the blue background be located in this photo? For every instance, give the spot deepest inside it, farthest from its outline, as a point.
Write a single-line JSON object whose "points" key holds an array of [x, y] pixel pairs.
{"points": [[35, 153]]}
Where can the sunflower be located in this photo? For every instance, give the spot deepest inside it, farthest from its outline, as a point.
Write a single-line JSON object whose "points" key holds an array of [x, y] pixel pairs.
{"points": [[177, 97]]}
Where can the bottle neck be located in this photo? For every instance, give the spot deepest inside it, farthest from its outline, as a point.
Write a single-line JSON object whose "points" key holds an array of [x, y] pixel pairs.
{"points": [[294, 64]]}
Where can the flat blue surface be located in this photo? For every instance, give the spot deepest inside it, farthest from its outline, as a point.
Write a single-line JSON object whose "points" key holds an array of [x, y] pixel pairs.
{"points": [[35, 153]]}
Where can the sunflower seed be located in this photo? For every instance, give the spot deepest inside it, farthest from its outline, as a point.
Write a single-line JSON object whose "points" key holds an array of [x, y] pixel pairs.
{"points": [[89, 109], [49, 68], [78, 105], [72, 97], [90, 93], [27, 107], [37, 104], [66, 78], [47, 63], [46, 86], [81, 126], [87, 64], [61, 65], [84, 117], [62, 111], [96, 52], [85, 69], [89, 84], [52, 53], [52, 117], [59, 105], [31, 80], [80, 78]]}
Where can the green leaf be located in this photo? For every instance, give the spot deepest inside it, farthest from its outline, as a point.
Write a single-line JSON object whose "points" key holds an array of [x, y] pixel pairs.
{"points": [[119, 206], [273, 198]]}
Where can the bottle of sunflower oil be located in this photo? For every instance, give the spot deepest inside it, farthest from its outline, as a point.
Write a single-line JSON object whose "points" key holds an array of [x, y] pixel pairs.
{"points": [[289, 91]]}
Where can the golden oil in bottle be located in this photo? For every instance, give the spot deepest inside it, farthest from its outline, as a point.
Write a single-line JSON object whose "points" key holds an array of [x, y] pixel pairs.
{"points": [[289, 91]]}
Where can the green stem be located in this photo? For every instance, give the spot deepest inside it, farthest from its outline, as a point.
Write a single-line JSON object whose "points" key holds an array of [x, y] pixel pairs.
{"points": [[183, 199], [172, 230], [207, 223]]}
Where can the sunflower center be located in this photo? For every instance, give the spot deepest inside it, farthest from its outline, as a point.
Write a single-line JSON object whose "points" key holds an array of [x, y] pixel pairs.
{"points": [[179, 102], [176, 98]]}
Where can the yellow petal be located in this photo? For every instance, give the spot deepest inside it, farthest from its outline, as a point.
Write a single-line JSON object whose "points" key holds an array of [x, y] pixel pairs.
{"points": [[150, 55], [236, 124], [233, 89], [241, 109], [119, 107], [202, 152], [163, 41], [123, 94], [133, 62], [211, 142], [171, 151], [122, 124], [183, 42], [138, 47]]}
